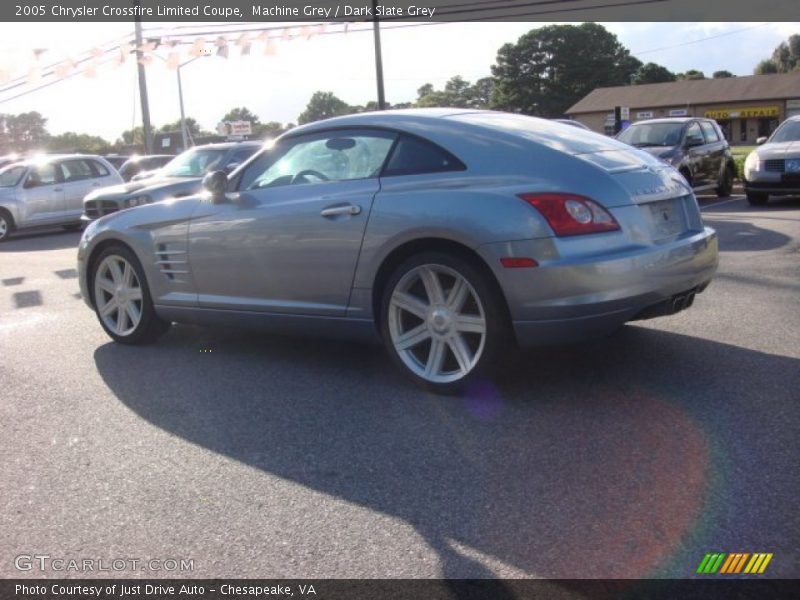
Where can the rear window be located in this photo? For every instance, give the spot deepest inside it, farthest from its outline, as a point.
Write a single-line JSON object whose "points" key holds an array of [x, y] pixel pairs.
{"points": [[710, 132], [99, 169], [413, 156], [75, 170]]}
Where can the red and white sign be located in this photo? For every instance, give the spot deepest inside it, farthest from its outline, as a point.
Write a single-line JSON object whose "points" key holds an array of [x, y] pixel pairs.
{"points": [[235, 128]]}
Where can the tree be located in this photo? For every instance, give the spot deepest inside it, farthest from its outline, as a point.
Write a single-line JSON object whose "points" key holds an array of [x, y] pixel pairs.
{"points": [[23, 132], [785, 58], [79, 142], [192, 126], [544, 73], [458, 92], [241, 114], [691, 75], [722, 74], [766, 67], [131, 137], [652, 73], [324, 105]]}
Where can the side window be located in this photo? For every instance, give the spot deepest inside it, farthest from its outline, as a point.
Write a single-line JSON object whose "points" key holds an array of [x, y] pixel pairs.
{"points": [[709, 132], [98, 169], [242, 155], [694, 131], [76, 170], [415, 156], [42, 175], [330, 156]]}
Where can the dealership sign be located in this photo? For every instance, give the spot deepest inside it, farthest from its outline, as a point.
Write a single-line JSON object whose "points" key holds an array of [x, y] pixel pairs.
{"points": [[678, 112], [743, 113], [235, 128]]}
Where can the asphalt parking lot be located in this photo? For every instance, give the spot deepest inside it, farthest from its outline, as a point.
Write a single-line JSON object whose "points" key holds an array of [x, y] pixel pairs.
{"points": [[284, 457]]}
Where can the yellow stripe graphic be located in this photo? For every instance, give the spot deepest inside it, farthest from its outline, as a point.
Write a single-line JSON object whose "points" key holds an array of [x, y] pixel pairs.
{"points": [[765, 563], [757, 563], [749, 567]]}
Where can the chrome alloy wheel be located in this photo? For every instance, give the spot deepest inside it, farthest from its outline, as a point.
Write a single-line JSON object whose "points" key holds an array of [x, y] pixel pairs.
{"points": [[3, 227], [118, 295], [437, 323]]}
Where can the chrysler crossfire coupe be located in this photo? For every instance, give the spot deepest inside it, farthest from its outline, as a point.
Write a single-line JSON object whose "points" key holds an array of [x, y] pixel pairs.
{"points": [[451, 235]]}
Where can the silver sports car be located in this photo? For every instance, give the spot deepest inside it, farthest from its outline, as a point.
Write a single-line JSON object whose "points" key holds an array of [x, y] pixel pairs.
{"points": [[449, 234], [774, 167]]}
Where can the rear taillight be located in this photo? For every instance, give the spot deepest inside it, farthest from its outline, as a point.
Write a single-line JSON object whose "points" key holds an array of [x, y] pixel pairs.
{"points": [[568, 214]]}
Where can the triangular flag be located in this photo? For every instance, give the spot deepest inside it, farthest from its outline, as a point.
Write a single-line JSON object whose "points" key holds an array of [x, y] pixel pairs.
{"points": [[37, 52], [270, 49], [173, 61], [96, 52], [146, 60], [34, 75], [147, 47], [286, 36], [90, 71], [62, 70], [198, 47], [263, 36], [5, 75]]}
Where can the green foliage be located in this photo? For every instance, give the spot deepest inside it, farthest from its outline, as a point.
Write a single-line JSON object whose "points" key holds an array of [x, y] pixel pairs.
{"points": [[79, 142], [324, 105], [241, 114], [549, 69], [458, 93], [22, 132], [722, 74], [691, 75], [785, 58], [652, 73]]}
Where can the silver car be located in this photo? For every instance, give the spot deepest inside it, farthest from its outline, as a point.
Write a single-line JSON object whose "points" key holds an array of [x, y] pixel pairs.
{"points": [[774, 167], [449, 234], [50, 190]]}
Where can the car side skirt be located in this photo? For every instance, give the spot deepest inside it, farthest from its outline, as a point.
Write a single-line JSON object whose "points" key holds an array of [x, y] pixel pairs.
{"points": [[340, 328]]}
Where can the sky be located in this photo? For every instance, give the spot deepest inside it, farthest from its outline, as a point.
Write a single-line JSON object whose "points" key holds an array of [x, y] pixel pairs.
{"points": [[277, 87]]}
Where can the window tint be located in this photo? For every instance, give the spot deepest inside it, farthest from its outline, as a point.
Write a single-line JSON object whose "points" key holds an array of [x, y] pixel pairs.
{"points": [[242, 155], [413, 156], [75, 170], [694, 131], [710, 132], [332, 156], [42, 175], [98, 168]]}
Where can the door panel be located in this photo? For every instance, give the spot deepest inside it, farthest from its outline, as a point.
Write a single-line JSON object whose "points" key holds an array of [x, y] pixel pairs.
{"points": [[44, 201], [273, 249]]}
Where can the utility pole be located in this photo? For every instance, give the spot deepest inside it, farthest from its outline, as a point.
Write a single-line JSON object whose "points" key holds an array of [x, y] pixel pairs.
{"points": [[184, 135], [148, 133], [376, 30]]}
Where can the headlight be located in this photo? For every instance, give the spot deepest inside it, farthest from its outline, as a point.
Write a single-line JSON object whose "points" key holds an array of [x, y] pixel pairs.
{"points": [[137, 201], [751, 163]]}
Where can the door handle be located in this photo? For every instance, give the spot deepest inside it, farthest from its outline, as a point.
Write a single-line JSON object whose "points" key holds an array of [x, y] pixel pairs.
{"points": [[335, 211]]}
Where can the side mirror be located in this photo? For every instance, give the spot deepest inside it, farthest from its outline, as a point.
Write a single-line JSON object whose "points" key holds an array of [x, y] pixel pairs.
{"points": [[761, 140], [694, 140], [216, 183], [231, 167]]}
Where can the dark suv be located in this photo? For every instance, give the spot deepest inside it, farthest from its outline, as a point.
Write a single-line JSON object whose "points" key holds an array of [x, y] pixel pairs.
{"points": [[696, 147]]}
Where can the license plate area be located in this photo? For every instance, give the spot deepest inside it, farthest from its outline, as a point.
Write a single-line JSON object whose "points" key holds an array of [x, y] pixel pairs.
{"points": [[667, 219]]}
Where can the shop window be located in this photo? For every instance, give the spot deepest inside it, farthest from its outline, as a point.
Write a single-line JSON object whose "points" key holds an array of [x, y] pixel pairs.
{"points": [[743, 130], [766, 127], [725, 126]]}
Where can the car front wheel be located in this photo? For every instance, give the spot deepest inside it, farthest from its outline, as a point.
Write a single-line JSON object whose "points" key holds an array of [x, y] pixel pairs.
{"points": [[725, 186], [757, 199], [443, 322], [122, 299], [6, 225]]}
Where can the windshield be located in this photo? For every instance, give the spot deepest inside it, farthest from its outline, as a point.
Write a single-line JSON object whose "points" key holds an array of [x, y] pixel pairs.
{"points": [[788, 132], [194, 163], [10, 176], [652, 134]]}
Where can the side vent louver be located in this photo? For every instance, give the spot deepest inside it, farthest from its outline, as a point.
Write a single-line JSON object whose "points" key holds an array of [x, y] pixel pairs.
{"points": [[171, 262]]}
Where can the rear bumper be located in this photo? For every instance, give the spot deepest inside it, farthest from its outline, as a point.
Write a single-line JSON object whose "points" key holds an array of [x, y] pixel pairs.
{"points": [[575, 299]]}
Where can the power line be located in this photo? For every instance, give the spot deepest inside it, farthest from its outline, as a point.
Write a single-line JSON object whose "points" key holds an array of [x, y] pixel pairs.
{"points": [[696, 41]]}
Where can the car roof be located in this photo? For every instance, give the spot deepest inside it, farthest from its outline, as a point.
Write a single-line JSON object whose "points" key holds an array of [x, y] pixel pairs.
{"points": [[672, 120], [228, 145], [45, 158]]}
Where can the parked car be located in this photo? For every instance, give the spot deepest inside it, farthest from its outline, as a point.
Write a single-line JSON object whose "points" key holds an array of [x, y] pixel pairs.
{"points": [[138, 164], [573, 123], [116, 160], [696, 147], [447, 233], [182, 176], [50, 190], [8, 159], [774, 167]]}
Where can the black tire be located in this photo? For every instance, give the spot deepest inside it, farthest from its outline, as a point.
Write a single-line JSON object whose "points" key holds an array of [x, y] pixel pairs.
{"points": [[151, 326], [6, 225], [498, 338], [757, 199], [725, 183]]}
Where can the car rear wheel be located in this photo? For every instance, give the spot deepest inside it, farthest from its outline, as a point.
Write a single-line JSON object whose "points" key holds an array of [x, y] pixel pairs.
{"points": [[6, 225], [726, 183], [757, 199], [122, 299], [443, 322]]}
